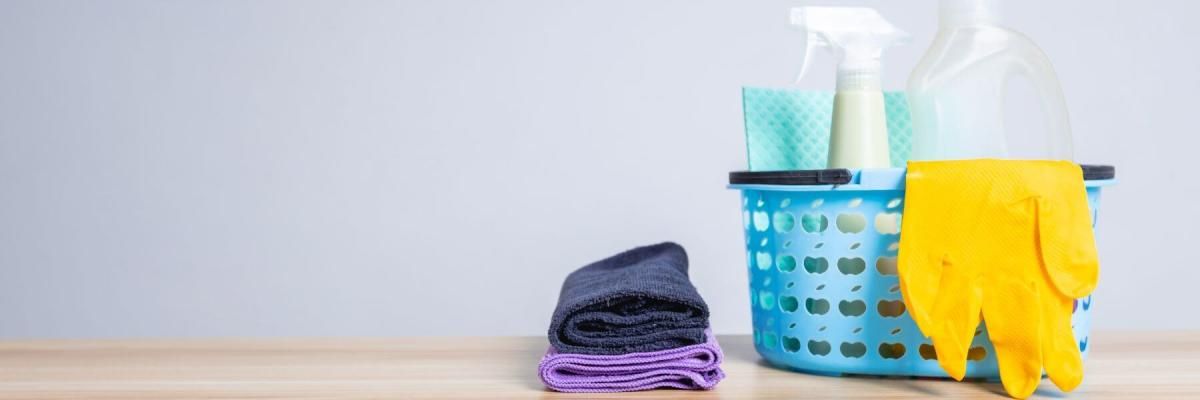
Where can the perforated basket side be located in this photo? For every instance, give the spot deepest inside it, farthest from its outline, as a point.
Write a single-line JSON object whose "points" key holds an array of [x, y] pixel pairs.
{"points": [[823, 282]]}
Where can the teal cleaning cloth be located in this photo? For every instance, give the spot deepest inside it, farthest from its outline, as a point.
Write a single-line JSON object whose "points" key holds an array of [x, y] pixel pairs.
{"points": [[788, 129]]}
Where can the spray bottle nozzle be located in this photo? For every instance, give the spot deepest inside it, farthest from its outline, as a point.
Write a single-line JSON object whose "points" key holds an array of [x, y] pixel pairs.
{"points": [[857, 37]]}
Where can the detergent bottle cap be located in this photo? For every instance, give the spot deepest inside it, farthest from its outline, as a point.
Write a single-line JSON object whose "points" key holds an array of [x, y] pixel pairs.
{"points": [[952, 13], [856, 36]]}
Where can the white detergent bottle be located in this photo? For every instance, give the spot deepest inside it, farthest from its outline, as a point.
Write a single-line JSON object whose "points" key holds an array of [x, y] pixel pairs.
{"points": [[857, 36], [957, 91]]}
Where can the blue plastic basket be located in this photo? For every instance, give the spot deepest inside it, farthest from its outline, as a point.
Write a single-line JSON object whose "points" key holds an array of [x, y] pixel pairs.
{"points": [[824, 293]]}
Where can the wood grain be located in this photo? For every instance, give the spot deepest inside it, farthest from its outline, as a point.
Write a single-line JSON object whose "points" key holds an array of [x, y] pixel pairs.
{"points": [[1122, 365]]}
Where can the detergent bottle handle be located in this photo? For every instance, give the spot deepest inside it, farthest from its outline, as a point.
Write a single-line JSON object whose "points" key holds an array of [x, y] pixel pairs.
{"points": [[1031, 63]]}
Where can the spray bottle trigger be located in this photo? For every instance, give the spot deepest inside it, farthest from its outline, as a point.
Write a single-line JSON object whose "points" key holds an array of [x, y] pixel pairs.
{"points": [[810, 43]]}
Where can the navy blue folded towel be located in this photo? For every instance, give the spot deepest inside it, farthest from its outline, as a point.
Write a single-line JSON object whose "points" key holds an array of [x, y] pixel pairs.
{"points": [[637, 301]]}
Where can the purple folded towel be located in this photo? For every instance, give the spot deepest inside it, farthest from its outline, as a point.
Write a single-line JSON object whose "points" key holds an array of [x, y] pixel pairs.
{"points": [[696, 366]]}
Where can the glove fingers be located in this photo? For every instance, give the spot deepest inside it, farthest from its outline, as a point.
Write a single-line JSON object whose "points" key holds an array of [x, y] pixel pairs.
{"points": [[1012, 315], [919, 262], [1060, 353], [957, 316], [919, 283], [1066, 242]]}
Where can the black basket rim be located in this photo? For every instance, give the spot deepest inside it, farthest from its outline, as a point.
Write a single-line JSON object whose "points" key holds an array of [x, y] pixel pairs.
{"points": [[842, 176]]}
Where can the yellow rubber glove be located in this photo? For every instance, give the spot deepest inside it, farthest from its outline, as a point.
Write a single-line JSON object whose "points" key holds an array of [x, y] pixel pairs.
{"points": [[1011, 239]]}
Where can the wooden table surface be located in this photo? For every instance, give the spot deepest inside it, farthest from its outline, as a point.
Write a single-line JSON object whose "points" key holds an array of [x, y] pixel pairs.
{"points": [[1122, 365]]}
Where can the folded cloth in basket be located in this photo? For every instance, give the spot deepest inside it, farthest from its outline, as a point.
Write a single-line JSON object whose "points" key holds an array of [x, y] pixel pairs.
{"points": [[634, 302], [690, 367]]}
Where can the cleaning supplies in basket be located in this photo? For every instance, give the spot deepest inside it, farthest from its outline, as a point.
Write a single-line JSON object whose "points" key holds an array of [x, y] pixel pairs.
{"points": [[1009, 239], [823, 247], [957, 91], [857, 36], [632, 321]]}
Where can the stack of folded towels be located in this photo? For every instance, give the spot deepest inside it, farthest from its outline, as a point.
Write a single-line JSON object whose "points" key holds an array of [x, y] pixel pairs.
{"points": [[631, 322]]}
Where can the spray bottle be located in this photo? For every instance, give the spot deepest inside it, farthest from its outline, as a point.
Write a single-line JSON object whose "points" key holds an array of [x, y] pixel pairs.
{"points": [[857, 37]]}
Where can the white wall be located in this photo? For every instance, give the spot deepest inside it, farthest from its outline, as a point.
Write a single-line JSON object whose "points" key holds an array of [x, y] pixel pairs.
{"points": [[192, 168]]}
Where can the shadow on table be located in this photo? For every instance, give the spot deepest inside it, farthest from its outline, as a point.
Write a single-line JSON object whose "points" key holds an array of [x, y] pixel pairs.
{"points": [[531, 355], [741, 349]]}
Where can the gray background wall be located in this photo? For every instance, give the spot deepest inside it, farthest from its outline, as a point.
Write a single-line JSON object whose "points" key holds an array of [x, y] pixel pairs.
{"points": [[188, 168]]}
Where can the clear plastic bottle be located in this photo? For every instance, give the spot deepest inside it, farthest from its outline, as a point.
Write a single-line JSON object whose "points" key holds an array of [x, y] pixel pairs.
{"points": [[957, 91]]}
